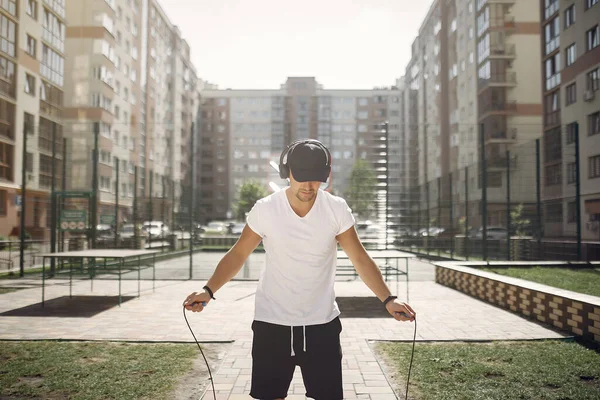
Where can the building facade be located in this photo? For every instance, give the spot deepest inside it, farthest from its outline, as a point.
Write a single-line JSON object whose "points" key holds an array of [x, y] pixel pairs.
{"points": [[131, 74], [470, 72], [571, 82], [32, 55], [244, 131]]}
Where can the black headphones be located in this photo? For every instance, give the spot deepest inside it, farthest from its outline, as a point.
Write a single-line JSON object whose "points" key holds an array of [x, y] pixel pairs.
{"points": [[284, 169]]}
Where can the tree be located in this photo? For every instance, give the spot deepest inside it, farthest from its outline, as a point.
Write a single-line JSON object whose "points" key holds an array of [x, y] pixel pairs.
{"points": [[362, 190], [519, 224], [248, 194]]}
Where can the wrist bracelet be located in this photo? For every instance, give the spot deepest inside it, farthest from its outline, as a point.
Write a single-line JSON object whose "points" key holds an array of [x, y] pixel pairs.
{"points": [[390, 298], [210, 292]]}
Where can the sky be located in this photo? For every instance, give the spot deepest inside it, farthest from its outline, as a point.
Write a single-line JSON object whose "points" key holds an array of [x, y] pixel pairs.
{"points": [[257, 44]]}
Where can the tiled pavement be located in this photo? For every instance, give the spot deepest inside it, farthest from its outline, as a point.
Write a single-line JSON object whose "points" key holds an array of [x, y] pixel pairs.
{"points": [[443, 314]]}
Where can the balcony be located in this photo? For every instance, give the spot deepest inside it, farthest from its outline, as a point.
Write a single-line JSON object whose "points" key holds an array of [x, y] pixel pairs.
{"points": [[50, 110], [498, 108], [509, 79], [503, 50]]}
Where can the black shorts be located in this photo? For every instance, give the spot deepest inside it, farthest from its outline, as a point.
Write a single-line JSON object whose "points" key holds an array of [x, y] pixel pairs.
{"points": [[273, 364]]}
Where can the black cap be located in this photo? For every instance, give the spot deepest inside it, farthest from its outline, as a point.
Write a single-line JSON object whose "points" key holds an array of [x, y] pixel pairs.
{"points": [[309, 163]]}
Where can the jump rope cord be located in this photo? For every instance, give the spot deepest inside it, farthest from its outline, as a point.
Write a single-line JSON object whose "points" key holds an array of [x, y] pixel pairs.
{"points": [[411, 358], [212, 382]]}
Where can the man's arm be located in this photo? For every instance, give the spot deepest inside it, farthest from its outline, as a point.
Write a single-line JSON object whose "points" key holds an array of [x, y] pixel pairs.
{"points": [[363, 263], [234, 259]]}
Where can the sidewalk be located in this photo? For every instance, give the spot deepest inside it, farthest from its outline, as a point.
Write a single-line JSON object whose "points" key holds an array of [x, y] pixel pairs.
{"points": [[443, 314]]}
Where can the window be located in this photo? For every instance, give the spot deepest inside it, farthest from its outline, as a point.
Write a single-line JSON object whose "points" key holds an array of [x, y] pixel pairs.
{"points": [[52, 65], [7, 36], [6, 161], [32, 9], [552, 145], [571, 173], [594, 124], [10, 6], [554, 212], [29, 123], [551, 6], [30, 46], [593, 37], [570, 16], [53, 30], [553, 72], [571, 212], [593, 167], [571, 54], [552, 35], [7, 77], [571, 132], [29, 84], [590, 3], [593, 80], [571, 94], [3, 199]]}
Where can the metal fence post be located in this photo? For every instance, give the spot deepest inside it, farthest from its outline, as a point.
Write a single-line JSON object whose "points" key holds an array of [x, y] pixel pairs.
{"points": [[508, 216], [192, 197], [578, 191], [94, 199], [439, 208], [428, 216], [483, 195], [23, 203], [117, 202], [53, 202], [451, 217], [135, 206], [467, 213], [538, 187], [63, 188]]}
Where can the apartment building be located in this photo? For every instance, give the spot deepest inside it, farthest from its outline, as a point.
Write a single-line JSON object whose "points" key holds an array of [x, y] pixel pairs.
{"points": [[469, 71], [171, 102], [243, 131], [571, 64], [103, 42], [509, 107], [31, 99], [130, 72]]}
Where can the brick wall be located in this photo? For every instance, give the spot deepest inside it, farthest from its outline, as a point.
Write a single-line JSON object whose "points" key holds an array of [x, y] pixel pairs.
{"points": [[556, 308]]}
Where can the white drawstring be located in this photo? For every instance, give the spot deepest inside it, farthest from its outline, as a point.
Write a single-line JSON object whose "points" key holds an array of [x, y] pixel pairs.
{"points": [[304, 335], [292, 340]]}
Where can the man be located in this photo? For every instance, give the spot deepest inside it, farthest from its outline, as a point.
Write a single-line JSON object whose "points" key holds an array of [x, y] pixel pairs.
{"points": [[296, 319]]}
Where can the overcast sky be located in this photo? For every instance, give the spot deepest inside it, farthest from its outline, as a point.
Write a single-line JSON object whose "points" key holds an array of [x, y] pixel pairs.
{"points": [[256, 44]]}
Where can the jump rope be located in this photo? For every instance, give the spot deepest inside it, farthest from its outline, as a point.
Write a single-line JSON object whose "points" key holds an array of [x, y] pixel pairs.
{"points": [[212, 383]]}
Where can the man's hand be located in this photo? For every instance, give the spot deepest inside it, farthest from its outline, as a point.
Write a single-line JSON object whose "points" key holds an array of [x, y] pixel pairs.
{"points": [[396, 307], [196, 302]]}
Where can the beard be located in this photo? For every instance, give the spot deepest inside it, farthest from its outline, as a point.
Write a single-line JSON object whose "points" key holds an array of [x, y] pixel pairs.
{"points": [[306, 196]]}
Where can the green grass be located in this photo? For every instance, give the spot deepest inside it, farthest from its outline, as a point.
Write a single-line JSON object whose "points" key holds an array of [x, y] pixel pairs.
{"points": [[549, 370], [8, 289], [92, 370], [583, 280]]}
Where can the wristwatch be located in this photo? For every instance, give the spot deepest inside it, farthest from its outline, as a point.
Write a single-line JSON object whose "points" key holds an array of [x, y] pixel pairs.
{"points": [[390, 298]]}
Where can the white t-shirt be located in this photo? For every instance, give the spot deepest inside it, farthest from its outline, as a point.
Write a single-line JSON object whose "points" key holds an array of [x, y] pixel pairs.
{"points": [[296, 286]]}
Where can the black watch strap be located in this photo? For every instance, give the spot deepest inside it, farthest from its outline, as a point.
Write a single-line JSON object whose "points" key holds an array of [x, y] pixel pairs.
{"points": [[210, 292], [390, 298]]}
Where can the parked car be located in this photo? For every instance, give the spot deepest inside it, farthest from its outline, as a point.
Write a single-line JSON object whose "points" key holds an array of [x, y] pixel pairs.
{"points": [[155, 229], [237, 228], [127, 231], [493, 233], [215, 228]]}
